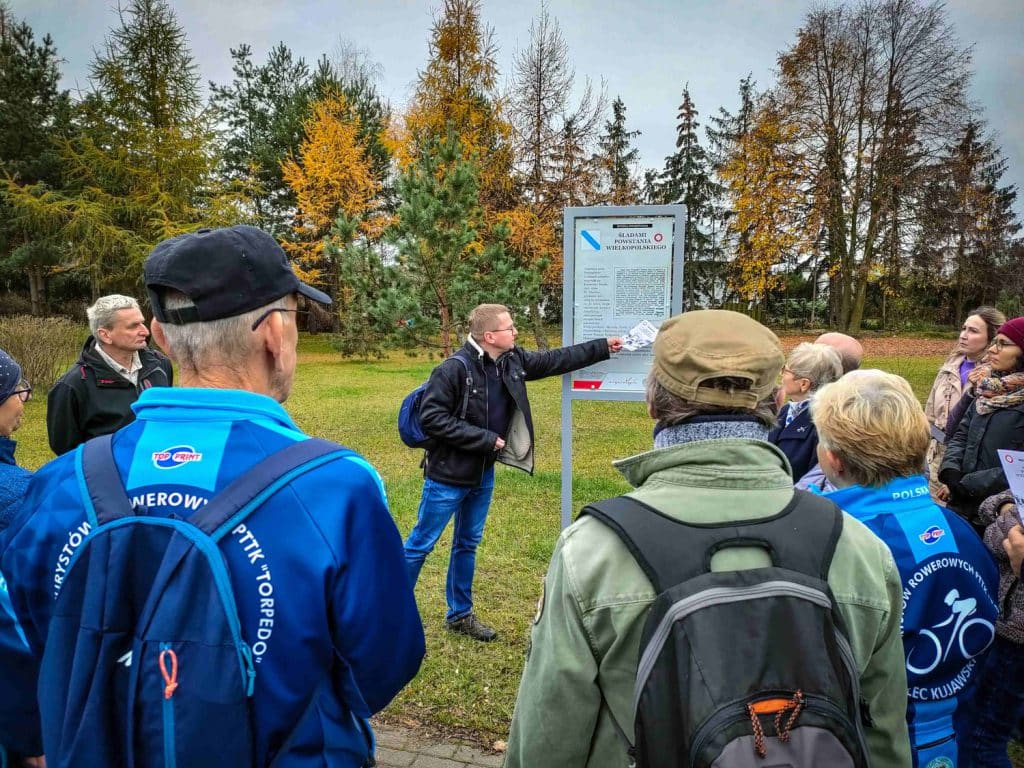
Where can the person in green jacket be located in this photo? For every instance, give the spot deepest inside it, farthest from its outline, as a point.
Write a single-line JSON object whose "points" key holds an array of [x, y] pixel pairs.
{"points": [[711, 393]]}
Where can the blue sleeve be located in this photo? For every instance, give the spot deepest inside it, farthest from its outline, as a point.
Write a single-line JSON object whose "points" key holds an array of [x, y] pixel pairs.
{"points": [[376, 626], [19, 714], [30, 547]]}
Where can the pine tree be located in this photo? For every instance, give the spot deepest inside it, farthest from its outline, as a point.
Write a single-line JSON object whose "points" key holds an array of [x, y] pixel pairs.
{"points": [[617, 159], [448, 261], [969, 223], [138, 168], [34, 113]]}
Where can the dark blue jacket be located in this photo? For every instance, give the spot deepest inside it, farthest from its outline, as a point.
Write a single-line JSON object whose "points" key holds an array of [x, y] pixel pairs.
{"points": [[338, 607], [13, 482], [799, 441]]}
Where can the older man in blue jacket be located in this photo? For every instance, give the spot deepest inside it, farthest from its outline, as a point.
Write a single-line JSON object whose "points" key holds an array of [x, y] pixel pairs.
{"points": [[317, 570]]}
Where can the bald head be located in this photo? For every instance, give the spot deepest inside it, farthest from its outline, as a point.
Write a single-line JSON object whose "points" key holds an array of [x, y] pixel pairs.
{"points": [[849, 349]]}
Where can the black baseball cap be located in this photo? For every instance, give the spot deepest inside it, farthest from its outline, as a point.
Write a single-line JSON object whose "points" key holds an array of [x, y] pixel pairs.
{"points": [[224, 272]]}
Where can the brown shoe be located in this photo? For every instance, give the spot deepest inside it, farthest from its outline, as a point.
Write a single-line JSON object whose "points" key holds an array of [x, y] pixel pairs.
{"points": [[472, 626]]}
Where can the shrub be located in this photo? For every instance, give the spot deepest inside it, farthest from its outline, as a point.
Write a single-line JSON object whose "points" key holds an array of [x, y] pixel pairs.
{"points": [[14, 304], [43, 346]]}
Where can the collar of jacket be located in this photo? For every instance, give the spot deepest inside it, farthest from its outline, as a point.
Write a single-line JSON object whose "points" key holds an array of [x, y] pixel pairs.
{"points": [[952, 364], [899, 495], [148, 362], [166, 404], [481, 354], [7, 446], [726, 463]]}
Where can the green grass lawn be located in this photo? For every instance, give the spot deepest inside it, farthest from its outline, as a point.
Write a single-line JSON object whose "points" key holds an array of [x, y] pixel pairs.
{"points": [[465, 684]]}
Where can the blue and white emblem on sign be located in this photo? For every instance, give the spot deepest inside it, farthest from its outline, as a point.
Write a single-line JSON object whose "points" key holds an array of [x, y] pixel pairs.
{"points": [[175, 457], [932, 535], [590, 239]]}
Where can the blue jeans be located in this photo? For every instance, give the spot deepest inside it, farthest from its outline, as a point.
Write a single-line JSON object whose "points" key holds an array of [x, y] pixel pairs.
{"points": [[469, 506], [992, 707]]}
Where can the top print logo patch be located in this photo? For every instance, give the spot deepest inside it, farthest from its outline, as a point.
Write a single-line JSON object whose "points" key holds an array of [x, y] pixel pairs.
{"points": [[932, 535], [175, 457]]}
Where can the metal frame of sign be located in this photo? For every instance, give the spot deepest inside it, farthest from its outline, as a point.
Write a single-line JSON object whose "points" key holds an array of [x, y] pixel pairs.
{"points": [[678, 214]]}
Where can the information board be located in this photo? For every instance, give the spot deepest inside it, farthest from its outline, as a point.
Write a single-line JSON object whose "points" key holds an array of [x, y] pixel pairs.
{"points": [[622, 276], [623, 271]]}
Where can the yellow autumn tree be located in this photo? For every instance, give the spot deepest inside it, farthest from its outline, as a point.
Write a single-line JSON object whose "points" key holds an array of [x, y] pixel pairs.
{"points": [[458, 91], [331, 176], [766, 177], [533, 243]]}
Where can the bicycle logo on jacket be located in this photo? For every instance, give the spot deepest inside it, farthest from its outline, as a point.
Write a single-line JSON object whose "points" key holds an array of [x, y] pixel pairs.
{"points": [[958, 634]]}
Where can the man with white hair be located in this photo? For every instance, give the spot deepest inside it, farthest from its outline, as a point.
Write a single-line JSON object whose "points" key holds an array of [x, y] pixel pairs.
{"points": [[95, 396]]}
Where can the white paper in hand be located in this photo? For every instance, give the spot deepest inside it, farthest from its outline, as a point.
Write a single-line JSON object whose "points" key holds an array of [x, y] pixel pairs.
{"points": [[1013, 468], [640, 335]]}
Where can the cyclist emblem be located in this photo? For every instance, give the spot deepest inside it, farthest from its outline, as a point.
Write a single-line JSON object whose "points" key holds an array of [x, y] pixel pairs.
{"points": [[959, 635]]}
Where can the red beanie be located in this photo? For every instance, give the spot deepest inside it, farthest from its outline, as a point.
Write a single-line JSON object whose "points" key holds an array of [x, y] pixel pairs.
{"points": [[1014, 331]]}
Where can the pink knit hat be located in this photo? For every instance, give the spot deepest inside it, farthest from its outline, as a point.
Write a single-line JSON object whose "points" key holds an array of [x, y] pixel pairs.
{"points": [[1014, 331]]}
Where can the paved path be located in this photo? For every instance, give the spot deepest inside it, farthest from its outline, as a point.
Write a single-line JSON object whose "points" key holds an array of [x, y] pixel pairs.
{"points": [[399, 747]]}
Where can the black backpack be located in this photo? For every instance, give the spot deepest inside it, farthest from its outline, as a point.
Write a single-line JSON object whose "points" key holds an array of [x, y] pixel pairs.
{"points": [[747, 668]]}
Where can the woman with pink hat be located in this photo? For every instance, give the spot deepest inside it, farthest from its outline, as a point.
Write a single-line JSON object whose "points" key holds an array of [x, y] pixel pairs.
{"points": [[994, 420]]}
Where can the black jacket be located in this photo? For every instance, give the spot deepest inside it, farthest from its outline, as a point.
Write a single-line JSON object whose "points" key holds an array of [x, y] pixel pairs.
{"points": [[465, 447], [970, 466], [92, 399]]}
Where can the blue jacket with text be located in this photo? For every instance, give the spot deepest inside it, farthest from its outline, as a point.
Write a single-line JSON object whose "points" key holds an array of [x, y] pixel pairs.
{"points": [[318, 570], [949, 609]]}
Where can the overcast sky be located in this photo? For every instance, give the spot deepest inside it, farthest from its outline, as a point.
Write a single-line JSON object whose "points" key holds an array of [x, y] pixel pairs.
{"points": [[646, 50]]}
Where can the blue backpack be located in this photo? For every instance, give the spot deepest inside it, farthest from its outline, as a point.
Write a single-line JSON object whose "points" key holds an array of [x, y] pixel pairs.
{"points": [[410, 428], [145, 665]]}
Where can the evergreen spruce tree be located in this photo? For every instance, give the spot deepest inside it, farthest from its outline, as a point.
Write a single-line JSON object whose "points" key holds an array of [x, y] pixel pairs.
{"points": [[260, 115], [686, 179], [616, 159]]}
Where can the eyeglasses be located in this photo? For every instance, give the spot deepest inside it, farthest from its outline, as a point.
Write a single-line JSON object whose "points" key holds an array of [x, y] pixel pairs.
{"points": [[269, 312], [24, 391], [1000, 344], [502, 330]]}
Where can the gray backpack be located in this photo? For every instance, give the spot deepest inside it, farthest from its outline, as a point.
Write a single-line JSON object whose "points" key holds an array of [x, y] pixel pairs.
{"points": [[741, 669]]}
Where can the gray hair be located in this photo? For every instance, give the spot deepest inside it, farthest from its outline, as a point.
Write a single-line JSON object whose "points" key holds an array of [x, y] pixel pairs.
{"points": [[818, 362], [226, 342], [668, 408], [104, 311]]}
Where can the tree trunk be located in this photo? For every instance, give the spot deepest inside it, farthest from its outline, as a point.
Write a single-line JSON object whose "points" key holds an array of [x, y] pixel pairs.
{"points": [[446, 330], [537, 321], [35, 288]]}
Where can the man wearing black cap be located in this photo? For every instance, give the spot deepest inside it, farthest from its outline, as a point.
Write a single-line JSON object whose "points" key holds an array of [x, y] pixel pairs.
{"points": [[317, 569]]}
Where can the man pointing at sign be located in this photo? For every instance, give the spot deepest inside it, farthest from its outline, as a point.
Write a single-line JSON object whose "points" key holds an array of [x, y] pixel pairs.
{"points": [[497, 426]]}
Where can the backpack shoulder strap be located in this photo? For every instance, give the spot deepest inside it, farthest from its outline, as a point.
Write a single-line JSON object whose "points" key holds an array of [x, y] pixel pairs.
{"points": [[233, 503], [468, 384], [805, 540], [105, 498], [801, 537]]}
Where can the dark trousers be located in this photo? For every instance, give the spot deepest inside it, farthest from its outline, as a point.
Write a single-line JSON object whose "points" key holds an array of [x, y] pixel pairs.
{"points": [[995, 704]]}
